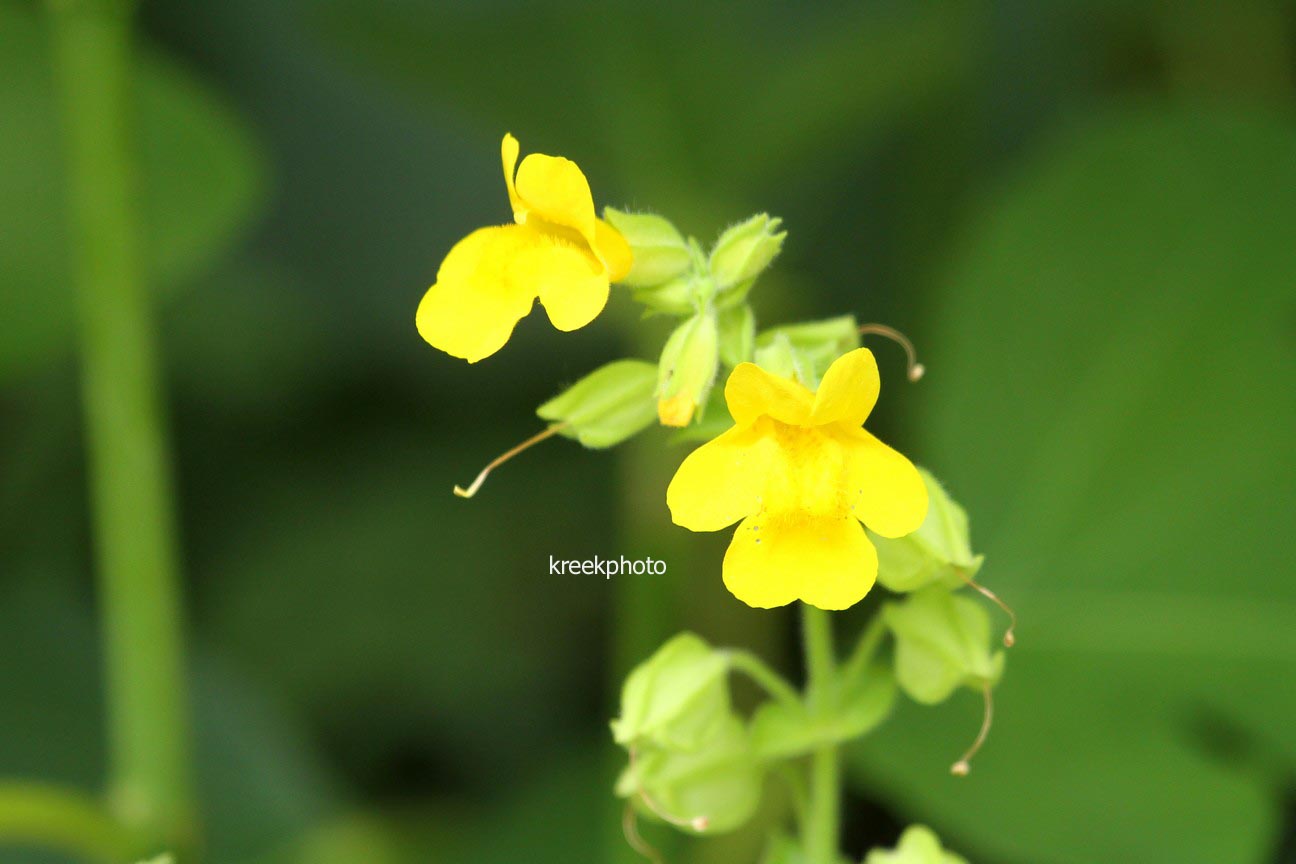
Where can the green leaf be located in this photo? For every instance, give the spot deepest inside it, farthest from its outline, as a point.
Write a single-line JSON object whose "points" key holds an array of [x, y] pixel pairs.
{"points": [[1114, 405], [942, 642], [917, 845], [607, 406], [937, 553], [783, 730], [677, 698], [200, 181]]}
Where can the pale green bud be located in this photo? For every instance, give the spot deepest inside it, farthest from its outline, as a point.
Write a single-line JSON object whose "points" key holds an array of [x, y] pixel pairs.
{"points": [[942, 643], [939, 552], [918, 845], [607, 406], [816, 343], [687, 371], [744, 251], [737, 334], [660, 251]]}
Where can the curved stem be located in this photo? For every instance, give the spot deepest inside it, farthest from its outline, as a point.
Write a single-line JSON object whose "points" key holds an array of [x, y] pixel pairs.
{"points": [[62, 820], [866, 649], [127, 449], [757, 670], [823, 817]]}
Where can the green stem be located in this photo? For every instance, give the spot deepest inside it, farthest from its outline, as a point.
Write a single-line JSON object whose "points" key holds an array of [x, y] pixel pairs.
{"points": [[822, 823], [866, 649], [63, 820], [128, 459], [759, 671]]}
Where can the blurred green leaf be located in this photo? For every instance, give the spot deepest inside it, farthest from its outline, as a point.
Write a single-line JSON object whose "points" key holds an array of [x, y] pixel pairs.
{"points": [[200, 181], [607, 406], [1112, 393], [918, 845], [780, 730]]}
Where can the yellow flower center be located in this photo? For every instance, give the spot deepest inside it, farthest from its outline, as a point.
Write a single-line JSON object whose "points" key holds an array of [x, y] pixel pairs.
{"points": [[809, 483]]}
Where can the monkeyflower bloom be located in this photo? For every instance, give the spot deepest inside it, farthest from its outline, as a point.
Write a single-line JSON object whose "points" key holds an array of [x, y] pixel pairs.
{"points": [[558, 250], [802, 475]]}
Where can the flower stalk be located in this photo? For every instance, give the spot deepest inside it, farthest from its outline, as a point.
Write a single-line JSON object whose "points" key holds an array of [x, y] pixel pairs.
{"points": [[822, 825], [131, 497]]}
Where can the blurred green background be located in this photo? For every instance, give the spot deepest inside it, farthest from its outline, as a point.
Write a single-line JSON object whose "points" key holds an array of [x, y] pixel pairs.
{"points": [[1083, 212]]}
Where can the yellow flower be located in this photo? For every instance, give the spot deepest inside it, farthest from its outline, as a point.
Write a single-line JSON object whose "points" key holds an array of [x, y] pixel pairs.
{"points": [[802, 475], [558, 251]]}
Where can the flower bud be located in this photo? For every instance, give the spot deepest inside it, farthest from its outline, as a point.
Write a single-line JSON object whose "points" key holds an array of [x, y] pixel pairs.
{"points": [[687, 370], [744, 251], [660, 252], [607, 406]]}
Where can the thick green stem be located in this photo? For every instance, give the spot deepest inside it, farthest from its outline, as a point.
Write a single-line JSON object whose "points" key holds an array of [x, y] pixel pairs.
{"points": [[822, 824], [127, 453]]}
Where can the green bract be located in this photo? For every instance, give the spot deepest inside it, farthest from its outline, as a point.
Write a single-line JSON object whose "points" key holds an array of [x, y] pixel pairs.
{"points": [[942, 642], [713, 788], [778, 357], [918, 845], [661, 253], [676, 698], [744, 251], [939, 552], [815, 344], [737, 334], [608, 405]]}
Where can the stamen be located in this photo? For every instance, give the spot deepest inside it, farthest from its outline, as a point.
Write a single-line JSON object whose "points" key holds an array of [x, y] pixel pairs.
{"points": [[1009, 640], [504, 457], [964, 765], [916, 369]]}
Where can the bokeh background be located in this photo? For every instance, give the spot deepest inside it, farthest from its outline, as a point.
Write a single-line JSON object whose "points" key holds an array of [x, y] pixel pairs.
{"points": [[1083, 212]]}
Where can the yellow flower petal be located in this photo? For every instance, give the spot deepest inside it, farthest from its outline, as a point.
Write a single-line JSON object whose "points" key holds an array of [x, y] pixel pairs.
{"points": [[886, 491], [752, 392], [509, 156], [721, 481], [826, 561], [849, 389], [571, 283], [613, 250], [472, 309], [555, 190]]}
